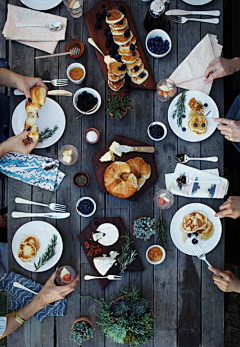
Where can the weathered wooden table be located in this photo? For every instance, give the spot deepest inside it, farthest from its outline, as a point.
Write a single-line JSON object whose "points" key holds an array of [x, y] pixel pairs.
{"points": [[188, 307]]}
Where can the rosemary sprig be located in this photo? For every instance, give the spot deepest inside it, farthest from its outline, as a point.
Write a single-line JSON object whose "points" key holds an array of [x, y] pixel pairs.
{"points": [[49, 253], [180, 109], [128, 255], [47, 133], [162, 231]]}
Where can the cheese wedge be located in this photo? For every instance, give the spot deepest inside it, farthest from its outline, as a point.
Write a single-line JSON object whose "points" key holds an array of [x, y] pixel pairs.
{"points": [[113, 147], [103, 264], [108, 156], [97, 236]]}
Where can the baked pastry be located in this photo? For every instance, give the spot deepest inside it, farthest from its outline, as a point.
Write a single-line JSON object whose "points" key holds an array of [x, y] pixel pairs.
{"points": [[115, 78], [116, 86], [197, 124], [115, 17], [113, 69], [138, 79], [139, 167], [132, 42], [133, 73], [32, 239], [195, 105], [118, 26], [201, 218], [138, 62], [27, 251], [114, 183], [122, 40], [123, 51], [206, 230], [129, 59], [118, 32], [189, 224], [38, 95]]}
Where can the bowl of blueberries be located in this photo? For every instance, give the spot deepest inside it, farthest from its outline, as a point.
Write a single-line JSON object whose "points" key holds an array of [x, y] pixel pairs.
{"points": [[157, 131], [158, 43], [86, 206], [85, 99]]}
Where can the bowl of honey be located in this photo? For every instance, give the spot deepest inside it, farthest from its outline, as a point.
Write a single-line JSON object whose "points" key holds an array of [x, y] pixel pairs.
{"points": [[76, 73], [155, 254]]}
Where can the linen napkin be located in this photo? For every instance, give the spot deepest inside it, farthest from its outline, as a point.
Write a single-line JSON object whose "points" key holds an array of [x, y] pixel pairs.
{"points": [[37, 37], [190, 73], [45, 179], [20, 297], [197, 190]]}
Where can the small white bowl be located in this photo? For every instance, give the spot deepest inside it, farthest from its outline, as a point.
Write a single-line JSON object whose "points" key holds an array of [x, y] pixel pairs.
{"points": [[164, 128], [156, 262], [88, 90], [164, 35], [72, 66], [94, 207]]}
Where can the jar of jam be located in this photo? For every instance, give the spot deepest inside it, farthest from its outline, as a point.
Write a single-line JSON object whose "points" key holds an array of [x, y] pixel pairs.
{"points": [[156, 18]]}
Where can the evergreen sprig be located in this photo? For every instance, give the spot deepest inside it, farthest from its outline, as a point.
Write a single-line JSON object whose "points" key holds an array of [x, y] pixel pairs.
{"points": [[47, 133], [162, 231], [49, 253], [116, 106], [180, 109], [128, 255]]}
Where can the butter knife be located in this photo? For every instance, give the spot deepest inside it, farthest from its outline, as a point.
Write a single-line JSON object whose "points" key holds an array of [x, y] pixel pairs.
{"points": [[55, 215], [126, 149], [183, 13], [50, 92]]}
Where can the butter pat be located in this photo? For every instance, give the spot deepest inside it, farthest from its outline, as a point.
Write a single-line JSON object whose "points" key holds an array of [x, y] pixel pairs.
{"points": [[107, 157], [113, 147]]}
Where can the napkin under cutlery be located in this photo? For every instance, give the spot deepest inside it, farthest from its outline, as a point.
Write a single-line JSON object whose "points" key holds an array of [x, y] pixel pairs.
{"points": [[20, 297], [46, 179], [197, 190], [37, 37], [190, 73]]}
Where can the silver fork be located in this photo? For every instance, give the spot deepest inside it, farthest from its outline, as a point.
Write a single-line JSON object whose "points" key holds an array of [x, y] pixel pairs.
{"points": [[201, 255], [182, 20], [58, 82], [109, 277], [53, 206]]}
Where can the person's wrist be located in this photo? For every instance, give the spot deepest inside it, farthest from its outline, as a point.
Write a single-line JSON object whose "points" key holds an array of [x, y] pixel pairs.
{"points": [[236, 64], [39, 302], [3, 149]]}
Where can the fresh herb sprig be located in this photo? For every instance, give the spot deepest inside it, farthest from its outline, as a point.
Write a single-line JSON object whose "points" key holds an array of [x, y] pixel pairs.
{"points": [[47, 133], [162, 231], [128, 255], [180, 109], [49, 253]]}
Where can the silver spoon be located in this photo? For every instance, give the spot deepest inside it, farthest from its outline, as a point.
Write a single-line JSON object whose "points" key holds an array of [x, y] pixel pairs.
{"points": [[21, 286], [53, 26], [44, 166], [184, 158], [186, 181]]}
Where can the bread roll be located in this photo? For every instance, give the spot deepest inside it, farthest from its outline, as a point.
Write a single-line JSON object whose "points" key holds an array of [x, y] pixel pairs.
{"points": [[139, 167]]}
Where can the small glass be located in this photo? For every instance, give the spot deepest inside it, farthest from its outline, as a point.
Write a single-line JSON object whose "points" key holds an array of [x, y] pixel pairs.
{"points": [[65, 275], [166, 89], [63, 155], [160, 195], [74, 7]]}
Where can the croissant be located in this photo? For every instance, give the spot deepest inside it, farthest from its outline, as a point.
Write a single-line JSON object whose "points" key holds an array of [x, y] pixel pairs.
{"points": [[38, 95]]}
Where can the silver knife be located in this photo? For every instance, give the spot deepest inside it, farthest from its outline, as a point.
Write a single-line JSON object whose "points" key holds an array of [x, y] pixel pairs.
{"points": [[126, 149], [184, 13], [54, 215], [50, 92]]}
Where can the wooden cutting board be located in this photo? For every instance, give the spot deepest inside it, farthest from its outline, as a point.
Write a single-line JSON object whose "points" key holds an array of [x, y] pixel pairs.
{"points": [[101, 167], [86, 235], [100, 39]]}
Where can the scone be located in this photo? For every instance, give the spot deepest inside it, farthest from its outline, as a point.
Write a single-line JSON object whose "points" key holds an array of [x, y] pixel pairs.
{"points": [[189, 224], [32, 239], [115, 78], [198, 124], [138, 62], [115, 17], [133, 73], [113, 69], [122, 40], [118, 26], [201, 217], [116, 85], [27, 251], [130, 59], [138, 79]]}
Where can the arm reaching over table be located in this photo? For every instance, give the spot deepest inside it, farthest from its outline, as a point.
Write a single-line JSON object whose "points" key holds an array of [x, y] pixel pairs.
{"points": [[228, 283], [230, 208], [229, 128], [48, 294], [19, 143], [221, 67]]}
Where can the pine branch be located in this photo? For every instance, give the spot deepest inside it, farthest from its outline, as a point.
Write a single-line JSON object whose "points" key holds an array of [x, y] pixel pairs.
{"points": [[162, 231], [49, 253], [128, 255], [180, 109], [47, 133]]}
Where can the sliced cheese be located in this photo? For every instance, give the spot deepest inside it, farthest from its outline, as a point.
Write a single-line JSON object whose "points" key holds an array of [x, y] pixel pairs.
{"points": [[103, 264], [164, 197], [64, 272], [113, 147], [97, 236], [110, 232], [107, 157]]}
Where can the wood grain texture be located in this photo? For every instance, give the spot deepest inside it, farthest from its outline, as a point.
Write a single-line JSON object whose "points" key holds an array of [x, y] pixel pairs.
{"points": [[100, 39]]}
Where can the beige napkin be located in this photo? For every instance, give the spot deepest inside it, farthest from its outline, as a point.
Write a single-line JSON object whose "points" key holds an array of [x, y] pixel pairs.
{"points": [[190, 73], [37, 37]]}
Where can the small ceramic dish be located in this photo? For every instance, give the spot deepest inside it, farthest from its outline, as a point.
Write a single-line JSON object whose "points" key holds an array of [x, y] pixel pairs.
{"points": [[73, 44], [159, 261], [86, 137], [77, 178], [73, 66], [74, 155], [152, 35], [88, 90], [94, 207], [164, 129]]}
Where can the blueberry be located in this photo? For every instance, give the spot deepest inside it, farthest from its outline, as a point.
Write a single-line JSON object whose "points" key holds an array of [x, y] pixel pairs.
{"points": [[106, 31], [109, 33], [132, 47], [126, 32], [117, 56], [118, 67], [104, 14], [108, 14], [136, 68], [108, 44], [141, 75], [144, 74], [196, 234], [119, 60], [112, 53], [115, 46], [206, 105], [98, 16], [127, 85], [121, 22], [194, 241], [183, 116], [97, 25], [183, 129], [124, 66], [203, 125], [122, 9], [195, 125], [134, 53], [127, 78], [103, 6], [189, 235]]}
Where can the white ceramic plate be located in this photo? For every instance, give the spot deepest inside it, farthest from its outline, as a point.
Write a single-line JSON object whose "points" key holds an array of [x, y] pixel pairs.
{"points": [[44, 232], [50, 114], [176, 234], [197, 2], [188, 135], [41, 4]]}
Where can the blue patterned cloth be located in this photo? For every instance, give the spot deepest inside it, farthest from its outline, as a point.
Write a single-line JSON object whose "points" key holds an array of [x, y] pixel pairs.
{"points": [[20, 297], [46, 179], [234, 114]]}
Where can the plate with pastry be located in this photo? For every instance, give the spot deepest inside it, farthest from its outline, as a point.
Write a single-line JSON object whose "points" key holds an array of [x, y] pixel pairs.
{"points": [[43, 115], [195, 223], [30, 243], [186, 116]]}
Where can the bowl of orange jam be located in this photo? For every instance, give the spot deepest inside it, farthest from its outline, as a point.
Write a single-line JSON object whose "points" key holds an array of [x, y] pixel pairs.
{"points": [[155, 254], [76, 73]]}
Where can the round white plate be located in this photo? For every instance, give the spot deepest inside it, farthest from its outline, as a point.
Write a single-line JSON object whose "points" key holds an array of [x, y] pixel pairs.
{"points": [[44, 232], [197, 2], [188, 135], [50, 114], [41, 4], [176, 234]]}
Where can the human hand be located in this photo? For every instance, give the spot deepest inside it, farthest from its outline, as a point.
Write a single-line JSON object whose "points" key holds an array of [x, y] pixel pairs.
{"points": [[230, 208], [25, 84], [229, 128], [221, 67], [228, 283], [18, 143], [51, 293]]}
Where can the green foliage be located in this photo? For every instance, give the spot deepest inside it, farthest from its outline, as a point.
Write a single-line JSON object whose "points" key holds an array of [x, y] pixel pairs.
{"points": [[49, 253], [81, 331], [128, 255], [116, 106], [119, 308], [162, 231], [47, 133], [180, 109]]}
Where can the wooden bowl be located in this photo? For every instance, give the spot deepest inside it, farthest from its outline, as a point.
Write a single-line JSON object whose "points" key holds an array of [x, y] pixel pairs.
{"points": [[72, 44], [82, 319], [96, 131], [84, 174]]}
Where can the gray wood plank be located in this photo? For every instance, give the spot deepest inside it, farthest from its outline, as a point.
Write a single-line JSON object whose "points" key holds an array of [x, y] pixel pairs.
{"points": [[3, 48]]}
